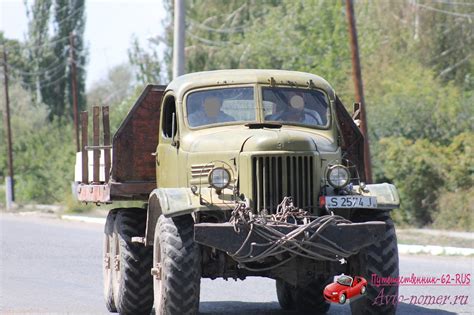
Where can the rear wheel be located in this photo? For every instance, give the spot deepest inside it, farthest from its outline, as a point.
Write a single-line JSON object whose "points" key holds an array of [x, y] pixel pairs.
{"points": [[176, 267], [107, 262], [132, 282], [379, 259], [307, 298]]}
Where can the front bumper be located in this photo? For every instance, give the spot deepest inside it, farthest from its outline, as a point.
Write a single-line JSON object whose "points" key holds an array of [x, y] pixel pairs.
{"points": [[334, 242]]}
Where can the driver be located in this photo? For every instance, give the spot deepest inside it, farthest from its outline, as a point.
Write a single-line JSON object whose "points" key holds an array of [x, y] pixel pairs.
{"points": [[297, 112], [209, 113]]}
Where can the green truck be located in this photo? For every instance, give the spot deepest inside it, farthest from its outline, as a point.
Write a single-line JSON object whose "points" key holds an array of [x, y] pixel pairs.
{"points": [[242, 173]]}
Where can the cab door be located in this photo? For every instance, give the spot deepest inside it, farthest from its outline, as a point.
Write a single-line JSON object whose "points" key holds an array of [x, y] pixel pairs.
{"points": [[167, 153]]}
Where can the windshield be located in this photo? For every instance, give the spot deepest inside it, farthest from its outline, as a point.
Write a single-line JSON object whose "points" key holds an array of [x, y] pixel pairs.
{"points": [[344, 280], [295, 106], [221, 106]]}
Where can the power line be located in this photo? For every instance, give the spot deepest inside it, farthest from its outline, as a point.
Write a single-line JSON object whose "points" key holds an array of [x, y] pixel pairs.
{"points": [[45, 44], [44, 83], [43, 71], [453, 3], [67, 18], [210, 42], [232, 30], [70, 16], [468, 16]]}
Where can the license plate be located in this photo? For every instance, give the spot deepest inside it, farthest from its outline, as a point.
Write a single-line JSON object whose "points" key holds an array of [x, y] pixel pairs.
{"points": [[351, 202]]}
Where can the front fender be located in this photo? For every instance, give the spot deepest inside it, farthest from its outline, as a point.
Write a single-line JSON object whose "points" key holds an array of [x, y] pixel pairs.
{"points": [[168, 202], [172, 202]]}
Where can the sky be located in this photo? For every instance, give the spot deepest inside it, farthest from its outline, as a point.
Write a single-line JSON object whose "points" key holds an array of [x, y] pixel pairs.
{"points": [[110, 26]]}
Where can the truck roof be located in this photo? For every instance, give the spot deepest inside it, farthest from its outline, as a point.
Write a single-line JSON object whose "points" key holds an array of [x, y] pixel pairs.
{"points": [[183, 83]]}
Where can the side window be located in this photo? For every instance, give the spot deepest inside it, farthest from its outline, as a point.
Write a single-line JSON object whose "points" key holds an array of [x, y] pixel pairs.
{"points": [[169, 111]]}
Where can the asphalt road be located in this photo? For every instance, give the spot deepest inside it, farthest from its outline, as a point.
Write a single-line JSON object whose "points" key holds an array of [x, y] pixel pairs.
{"points": [[54, 267]]}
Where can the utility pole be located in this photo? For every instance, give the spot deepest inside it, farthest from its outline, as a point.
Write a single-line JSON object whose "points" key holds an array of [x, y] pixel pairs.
{"points": [[178, 38], [9, 182], [74, 90], [359, 89]]}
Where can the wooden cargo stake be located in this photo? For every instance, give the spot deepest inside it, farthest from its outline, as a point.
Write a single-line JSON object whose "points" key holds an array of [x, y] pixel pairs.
{"points": [[106, 126], [85, 156], [96, 127]]}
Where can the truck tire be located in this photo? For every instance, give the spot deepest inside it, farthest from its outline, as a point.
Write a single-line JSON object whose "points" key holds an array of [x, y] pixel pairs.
{"points": [[132, 281], [107, 262], [380, 259], [308, 298], [177, 267], [284, 295]]}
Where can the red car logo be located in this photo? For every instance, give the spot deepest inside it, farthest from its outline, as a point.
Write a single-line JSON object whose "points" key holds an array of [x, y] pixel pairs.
{"points": [[344, 288]]}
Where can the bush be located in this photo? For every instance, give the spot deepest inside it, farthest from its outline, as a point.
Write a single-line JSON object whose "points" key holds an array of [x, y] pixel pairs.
{"points": [[44, 163], [411, 166], [456, 210], [43, 151], [428, 175]]}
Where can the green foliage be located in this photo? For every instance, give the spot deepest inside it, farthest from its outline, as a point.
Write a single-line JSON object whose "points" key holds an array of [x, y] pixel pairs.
{"points": [[458, 162], [429, 177], [114, 88], [43, 151], [146, 62], [69, 18], [412, 167], [455, 210], [119, 110], [44, 163], [404, 93], [42, 63]]}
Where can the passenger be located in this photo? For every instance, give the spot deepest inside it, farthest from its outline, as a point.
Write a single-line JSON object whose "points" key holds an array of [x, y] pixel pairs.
{"points": [[209, 113], [297, 112]]}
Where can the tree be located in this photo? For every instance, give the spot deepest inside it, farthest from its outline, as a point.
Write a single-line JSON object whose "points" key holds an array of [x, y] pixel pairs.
{"points": [[146, 63], [113, 89], [48, 71]]}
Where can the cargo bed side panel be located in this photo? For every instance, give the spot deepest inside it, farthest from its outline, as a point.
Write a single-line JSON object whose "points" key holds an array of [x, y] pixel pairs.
{"points": [[136, 139]]}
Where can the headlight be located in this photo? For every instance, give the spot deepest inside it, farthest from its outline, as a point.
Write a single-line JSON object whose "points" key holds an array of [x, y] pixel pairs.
{"points": [[334, 293], [219, 178], [338, 176]]}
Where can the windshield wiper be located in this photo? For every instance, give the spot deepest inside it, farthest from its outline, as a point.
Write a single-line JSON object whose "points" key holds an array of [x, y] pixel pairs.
{"points": [[258, 125]]}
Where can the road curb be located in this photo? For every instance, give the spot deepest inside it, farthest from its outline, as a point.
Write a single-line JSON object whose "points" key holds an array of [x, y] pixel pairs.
{"points": [[402, 248], [83, 219], [435, 250]]}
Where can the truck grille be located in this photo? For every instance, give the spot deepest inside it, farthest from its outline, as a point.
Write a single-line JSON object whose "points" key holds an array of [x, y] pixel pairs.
{"points": [[275, 177]]}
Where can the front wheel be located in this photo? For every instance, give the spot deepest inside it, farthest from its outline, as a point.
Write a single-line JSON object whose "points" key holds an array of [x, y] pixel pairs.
{"points": [[284, 295], [176, 267], [342, 299], [304, 298], [379, 259]]}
